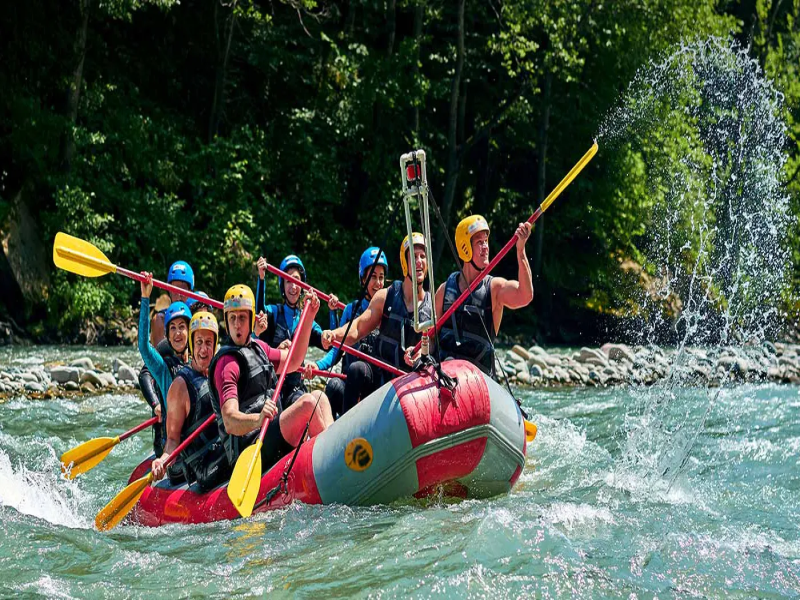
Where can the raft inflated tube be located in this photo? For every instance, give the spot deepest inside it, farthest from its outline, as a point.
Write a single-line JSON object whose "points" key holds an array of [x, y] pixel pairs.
{"points": [[403, 440]]}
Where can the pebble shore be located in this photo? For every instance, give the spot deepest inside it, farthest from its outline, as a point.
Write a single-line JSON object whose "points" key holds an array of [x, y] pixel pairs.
{"points": [[609, 365]]}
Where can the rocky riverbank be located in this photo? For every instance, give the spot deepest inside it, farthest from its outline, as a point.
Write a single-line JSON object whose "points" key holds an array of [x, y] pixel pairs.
{"points": [[614, 364], [611, 364]]}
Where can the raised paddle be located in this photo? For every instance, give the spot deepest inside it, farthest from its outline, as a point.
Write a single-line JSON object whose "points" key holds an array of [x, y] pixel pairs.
{"points": [[84, 258], [573, 173], [302, 285], [329, 374], [89, 454], [246, 478], [121, 505]]}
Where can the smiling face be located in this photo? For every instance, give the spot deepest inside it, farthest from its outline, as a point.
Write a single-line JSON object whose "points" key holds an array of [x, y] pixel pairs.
{"points": [[176, 297], [177, 334], [421, 263], [480, 249], [203, 345], [238, 322], [376, 281], [290, 288]]}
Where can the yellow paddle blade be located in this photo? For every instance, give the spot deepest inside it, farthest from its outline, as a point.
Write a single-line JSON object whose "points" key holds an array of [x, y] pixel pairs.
{"points": [[530, 430], [79, 256], [122, 504], [86, 456], [246, 480], [573, 173]]}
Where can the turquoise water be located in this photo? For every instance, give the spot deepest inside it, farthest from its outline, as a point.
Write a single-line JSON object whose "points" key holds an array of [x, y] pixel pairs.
{"points": [[591, 515]]}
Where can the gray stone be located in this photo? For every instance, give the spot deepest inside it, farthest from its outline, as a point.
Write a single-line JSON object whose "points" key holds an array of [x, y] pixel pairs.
{"points": [[538, 350], [107, 379], [28, 378], [84, 363], [536, 371], [65, 374], [125, 373], [71, 386], [93, 378], [537, 361], [591, 356], [524, 377], [87, 387], [34, 386], [118, 364], [6, 375], [618, 352], [521, 352]]}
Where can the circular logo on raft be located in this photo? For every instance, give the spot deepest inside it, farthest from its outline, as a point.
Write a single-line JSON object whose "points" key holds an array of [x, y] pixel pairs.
{"points": [[358, 454]]}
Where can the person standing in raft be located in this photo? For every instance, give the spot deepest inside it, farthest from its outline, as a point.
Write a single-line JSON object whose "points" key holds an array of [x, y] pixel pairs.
{"points": [[180, 275], [335, 387], [470, 332], [392, 311], [159, 369], [282, 320], [243, 376], [188, 406]]}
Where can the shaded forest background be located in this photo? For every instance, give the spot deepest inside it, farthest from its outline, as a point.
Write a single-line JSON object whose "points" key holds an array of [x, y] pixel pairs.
{"points": [[216, 132]]}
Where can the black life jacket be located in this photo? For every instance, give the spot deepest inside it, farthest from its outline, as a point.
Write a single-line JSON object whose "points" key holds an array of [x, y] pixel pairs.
{"points": [[200, 408], [464, 334], [257, 381], [367, 343], [397, 326]]}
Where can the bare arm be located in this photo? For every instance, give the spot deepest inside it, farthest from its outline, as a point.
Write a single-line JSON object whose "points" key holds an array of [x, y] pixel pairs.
{"points": [[237, 422], [177, 409], [365, 322], [517, 294]]}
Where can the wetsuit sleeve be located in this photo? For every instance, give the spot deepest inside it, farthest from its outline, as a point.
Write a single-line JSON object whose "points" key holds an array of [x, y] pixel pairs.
{"points": [[334, 355], [226, 379], [333, 319], [152, 359], [148, 387], [261, 294]]}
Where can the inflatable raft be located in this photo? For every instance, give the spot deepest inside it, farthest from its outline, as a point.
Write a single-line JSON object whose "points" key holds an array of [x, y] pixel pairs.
{"points": [[406, 439]]}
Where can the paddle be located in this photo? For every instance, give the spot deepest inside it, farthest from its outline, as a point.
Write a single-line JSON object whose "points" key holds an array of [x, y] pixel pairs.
{"points": [[121, 505], [530, 430], [302, 285], [89, 454], [84, 258], [573, 173], [329, 374], [246, 478]]}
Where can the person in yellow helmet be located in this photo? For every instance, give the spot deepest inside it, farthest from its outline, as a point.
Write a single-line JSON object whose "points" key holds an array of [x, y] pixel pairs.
{"points": [[243, 377], [470, 333], [189, 404], [392, 311]]}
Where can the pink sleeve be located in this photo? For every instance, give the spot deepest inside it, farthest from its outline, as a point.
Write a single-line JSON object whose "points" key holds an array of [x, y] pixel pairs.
{"points": [[273, 354], [226, 379]]}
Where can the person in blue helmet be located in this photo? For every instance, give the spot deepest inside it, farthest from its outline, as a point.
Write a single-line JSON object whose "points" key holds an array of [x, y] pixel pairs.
{"points": [[160, 368], [373, 279], [180, 275], [197, 306], [282, 320]]}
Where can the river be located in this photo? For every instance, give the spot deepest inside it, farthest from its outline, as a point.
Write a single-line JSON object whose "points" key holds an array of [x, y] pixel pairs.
{"points": [[583, 520]]}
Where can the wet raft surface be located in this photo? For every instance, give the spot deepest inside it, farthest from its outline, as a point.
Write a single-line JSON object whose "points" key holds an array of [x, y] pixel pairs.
{"points": [[590, 515]]}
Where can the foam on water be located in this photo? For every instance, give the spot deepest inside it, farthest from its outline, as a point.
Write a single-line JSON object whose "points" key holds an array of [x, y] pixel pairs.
{"points": [[44, 495]]}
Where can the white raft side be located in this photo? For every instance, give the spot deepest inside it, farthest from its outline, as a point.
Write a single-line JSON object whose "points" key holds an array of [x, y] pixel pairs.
{"points": [[505, 441], [379, 419]]}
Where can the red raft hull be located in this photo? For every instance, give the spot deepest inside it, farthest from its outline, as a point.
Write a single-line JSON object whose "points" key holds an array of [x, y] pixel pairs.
{"points": [[406, 439]]}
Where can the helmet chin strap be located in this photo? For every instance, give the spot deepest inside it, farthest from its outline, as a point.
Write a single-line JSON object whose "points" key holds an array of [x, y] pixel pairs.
{"points": [[476, 267]]}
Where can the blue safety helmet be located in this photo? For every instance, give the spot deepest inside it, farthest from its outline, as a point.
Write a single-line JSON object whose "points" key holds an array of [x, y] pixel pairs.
{"points": [[291, 261], [181, 271], [368, 258], [190, 302], [176, 310]]}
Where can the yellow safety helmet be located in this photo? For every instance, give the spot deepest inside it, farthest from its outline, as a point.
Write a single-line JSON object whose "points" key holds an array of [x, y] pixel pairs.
{"points": [[418, 239], [464, 232], [240, 297], [203, 320]]}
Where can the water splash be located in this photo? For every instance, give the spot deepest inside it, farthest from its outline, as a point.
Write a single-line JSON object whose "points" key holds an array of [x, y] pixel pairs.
{"points": [[716, 246], [44, 495]]}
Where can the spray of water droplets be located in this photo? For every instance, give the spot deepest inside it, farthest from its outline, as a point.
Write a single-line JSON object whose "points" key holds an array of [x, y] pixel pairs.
{"points": [[716, 245]]}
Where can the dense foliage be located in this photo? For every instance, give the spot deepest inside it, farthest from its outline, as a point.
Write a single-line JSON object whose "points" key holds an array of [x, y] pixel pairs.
{"points": [[219, 131]]}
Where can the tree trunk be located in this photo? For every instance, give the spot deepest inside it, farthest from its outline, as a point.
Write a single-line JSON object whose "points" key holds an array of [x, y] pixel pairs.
{"points": [[391, 26], [74, 92], [419, 14], [541, 182], [223, 56], [453, 160]]}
